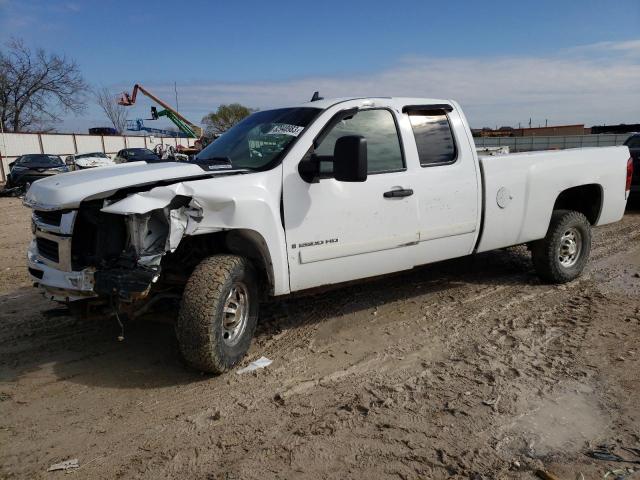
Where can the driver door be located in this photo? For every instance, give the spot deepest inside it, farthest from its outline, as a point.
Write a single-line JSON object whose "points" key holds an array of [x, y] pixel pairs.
{"points": [[341, 231]]}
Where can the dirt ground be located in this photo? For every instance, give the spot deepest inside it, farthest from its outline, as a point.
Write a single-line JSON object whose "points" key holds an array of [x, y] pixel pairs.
{"points": [[467, 369]]}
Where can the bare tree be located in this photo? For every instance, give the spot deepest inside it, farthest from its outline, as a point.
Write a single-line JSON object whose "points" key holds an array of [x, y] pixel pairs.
{"points": [[36, 87], [117, 114]]}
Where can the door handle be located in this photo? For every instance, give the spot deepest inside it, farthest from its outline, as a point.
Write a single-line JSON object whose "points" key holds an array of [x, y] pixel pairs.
{"points": [[404, 192]]}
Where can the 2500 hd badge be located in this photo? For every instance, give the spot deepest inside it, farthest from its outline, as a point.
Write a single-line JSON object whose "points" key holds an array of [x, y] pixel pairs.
{"points": [[314, 244]]}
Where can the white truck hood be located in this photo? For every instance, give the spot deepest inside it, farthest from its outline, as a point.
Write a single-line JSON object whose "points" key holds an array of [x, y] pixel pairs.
{"points": [[68, 190]]}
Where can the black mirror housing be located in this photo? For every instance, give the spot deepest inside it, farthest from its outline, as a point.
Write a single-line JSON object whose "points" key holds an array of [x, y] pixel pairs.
{"points": [[350, 159], [309, 168]]}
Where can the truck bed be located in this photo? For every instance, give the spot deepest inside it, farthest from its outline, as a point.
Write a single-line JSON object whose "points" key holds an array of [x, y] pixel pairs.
{"points": [[520, 190]]}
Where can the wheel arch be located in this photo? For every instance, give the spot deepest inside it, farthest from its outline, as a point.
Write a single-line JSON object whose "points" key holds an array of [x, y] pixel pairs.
{"points": [[242, 242], [252, 245], [586, 199]]}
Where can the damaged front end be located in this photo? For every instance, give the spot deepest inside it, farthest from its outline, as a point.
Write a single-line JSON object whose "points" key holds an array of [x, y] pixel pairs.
{"points": [[109, 249]]}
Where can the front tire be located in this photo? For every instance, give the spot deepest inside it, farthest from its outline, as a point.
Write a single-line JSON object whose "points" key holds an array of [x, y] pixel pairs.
{"points": [[218, 313], [563, 253]]}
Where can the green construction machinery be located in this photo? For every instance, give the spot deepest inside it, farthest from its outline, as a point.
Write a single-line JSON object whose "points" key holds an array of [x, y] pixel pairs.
{"points": [[184, 125]]}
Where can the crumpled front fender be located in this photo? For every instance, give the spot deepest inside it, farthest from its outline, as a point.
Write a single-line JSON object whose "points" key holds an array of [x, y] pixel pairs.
{"points": [[158, 219]]}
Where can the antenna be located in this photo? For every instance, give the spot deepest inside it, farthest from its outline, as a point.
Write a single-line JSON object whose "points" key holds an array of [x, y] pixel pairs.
{"points": [[316, 96]]}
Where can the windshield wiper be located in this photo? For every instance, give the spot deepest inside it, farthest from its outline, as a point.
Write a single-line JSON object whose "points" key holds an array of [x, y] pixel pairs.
{"points": [[213, 163], [219, 163], [213, 160]]}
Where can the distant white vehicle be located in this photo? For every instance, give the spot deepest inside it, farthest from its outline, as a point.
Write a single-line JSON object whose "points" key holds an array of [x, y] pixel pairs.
{"points": [[492, 151], [89, 160]]}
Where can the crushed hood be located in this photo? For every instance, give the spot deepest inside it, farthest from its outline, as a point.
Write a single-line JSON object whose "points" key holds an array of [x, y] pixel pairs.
{"points": [[68, 190]]}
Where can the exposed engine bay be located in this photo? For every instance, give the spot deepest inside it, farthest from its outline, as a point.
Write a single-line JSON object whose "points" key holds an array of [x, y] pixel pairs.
{"points": [[117, 249], [115, 244], [130, 247]]}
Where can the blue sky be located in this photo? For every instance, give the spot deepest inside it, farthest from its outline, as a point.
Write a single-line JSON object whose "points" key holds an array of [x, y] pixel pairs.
{"points": [[568, 61]]}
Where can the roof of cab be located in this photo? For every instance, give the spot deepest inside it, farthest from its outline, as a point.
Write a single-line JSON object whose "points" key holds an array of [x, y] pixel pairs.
{"points": [[329, 102]]}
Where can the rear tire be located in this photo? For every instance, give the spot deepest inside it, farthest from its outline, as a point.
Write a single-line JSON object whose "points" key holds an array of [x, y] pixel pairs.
{"points": [[218, 313], [563, 253]]}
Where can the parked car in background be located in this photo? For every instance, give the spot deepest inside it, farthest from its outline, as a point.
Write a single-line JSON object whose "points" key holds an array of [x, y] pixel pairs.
{"points": [[88, 160], [103, 131], [633, 143], [29, 168], [136, 155]]}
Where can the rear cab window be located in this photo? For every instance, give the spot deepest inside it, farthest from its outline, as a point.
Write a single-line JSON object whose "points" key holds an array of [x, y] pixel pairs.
{"points": [[433, 134], [378, 127], [633, 142]]}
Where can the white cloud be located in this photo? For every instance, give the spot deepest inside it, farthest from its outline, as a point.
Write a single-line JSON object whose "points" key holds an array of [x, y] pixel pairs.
{"points": [[16, 16], [592, 84], [565, 88], [629, 48]]}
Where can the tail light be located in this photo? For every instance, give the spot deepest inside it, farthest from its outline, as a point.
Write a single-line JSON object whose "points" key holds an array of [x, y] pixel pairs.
{"points": [[629, 174]]}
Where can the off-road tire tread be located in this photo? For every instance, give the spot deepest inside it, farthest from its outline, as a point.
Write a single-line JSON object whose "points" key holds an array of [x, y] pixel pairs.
{"points": [[203, 295], [544, 251]]}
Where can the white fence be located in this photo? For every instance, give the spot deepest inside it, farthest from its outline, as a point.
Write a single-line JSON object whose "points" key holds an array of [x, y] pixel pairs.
{"points": [[12, 145], [527, 144]]}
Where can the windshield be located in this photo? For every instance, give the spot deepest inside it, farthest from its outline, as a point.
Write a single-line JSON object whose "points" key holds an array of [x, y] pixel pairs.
{"points": [[91, 155], [45, 160], [258, 141], [140, 152]]}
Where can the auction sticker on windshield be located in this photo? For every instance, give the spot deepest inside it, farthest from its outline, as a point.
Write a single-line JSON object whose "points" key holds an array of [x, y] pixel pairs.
{"points": [[285, 129]]}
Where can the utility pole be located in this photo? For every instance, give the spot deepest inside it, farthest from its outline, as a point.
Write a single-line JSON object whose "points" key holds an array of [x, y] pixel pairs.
{"points": [[175, 89], [3, 175], [546, 122]]}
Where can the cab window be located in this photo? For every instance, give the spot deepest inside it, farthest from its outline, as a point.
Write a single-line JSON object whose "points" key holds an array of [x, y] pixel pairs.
{"points": [[434, 137], [384, 153]]}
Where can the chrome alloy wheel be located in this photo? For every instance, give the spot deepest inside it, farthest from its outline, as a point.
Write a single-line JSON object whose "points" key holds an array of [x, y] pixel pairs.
{"points": [[570, 247], [235, 314]]}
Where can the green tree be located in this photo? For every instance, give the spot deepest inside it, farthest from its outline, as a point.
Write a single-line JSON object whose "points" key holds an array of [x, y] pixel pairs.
{"points": [[218, 122]]}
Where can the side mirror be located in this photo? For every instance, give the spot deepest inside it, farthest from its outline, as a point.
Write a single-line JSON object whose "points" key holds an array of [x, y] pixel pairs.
{"points": [[309, 168], [11, 165], [68, 161], [350, 159]]}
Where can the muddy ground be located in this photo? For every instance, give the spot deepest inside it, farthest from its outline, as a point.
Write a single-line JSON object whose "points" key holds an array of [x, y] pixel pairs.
{"points": [[467, 369]]}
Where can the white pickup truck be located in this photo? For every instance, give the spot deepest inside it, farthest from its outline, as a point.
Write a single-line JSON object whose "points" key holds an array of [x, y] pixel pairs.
{"points": [[295, 198]]}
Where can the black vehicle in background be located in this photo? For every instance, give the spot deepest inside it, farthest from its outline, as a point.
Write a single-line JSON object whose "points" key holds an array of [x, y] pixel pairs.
{"points": [[28, 168], [137, 155], [103, 131], [633, 142]]}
